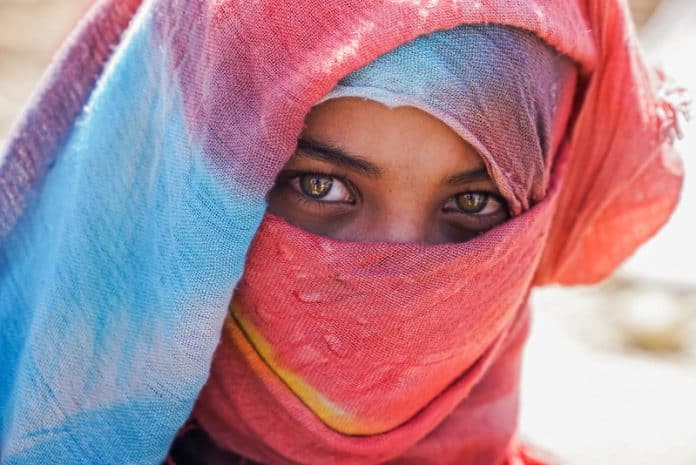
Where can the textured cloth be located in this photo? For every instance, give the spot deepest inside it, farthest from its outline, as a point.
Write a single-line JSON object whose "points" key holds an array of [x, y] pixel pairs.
{"points": [[354, 353], [499, 88], [374, 352], [132, 188]]}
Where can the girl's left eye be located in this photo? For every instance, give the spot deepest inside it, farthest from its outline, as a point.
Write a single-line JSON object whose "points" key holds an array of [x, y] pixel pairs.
{"points": [[322, 188], [474, 203]]}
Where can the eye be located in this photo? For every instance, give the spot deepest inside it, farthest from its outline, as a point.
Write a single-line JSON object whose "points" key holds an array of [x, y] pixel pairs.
{"points": [[474, 203], [322, 188]]}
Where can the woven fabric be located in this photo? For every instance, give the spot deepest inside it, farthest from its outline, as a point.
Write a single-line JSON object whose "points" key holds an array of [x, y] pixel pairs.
{"points": [[362, 352], [501, 89], [355, 352], [132, 188]]}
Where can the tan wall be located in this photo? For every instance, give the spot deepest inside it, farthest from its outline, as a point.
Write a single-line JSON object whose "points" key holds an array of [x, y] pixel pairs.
{"points": [[30, 31], [642, 9]]}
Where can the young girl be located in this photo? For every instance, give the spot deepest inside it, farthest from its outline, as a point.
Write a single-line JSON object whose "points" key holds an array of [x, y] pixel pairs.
{"points": [[407, 172]]}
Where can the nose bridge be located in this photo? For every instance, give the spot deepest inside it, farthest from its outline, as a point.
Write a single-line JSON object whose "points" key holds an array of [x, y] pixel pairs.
{"points": [[397, 224]]}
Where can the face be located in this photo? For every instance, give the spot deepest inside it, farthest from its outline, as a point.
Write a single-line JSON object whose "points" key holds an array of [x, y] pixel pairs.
{"points": [[364, 172]]}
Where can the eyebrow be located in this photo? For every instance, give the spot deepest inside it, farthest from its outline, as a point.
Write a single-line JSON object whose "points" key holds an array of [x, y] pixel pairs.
{"points": [[323, 151], [327, 152], [477, 174]]}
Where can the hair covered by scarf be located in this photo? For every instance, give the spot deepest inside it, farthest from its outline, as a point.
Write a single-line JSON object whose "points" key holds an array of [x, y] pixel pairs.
{"points": [[131, 191], [501, 89], [355, 352]]}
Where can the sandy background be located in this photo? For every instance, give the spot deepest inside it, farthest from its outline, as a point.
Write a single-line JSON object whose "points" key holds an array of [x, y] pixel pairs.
{"points": [[610, 371]]}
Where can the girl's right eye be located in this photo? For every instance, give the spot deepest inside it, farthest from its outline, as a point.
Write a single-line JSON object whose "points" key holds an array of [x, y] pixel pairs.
{"points": [[322, 188]]}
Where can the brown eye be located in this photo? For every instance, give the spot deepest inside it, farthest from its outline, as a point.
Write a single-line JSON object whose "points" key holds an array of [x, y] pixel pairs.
{"points": [[472, 202], [316, 186], [322, 188]]}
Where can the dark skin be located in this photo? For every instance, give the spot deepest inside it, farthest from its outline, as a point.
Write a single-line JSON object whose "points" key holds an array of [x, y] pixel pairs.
{"points": [[365, 172]]}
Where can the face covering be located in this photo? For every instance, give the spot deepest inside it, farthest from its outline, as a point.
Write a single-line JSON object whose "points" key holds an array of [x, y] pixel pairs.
{"points": [[133, 185], [354, 353]]}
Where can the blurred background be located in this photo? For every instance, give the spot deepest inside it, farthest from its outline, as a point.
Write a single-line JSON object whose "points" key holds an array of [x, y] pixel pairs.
{"points": [[610, 374], [610, 370]]}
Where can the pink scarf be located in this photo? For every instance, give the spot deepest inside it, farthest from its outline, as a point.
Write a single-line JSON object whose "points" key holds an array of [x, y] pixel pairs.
{"points": [[357, 352], [323, 359]]}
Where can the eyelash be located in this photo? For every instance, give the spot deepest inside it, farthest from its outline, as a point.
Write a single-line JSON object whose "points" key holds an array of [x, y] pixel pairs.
{"points": [[286, 178], [490, 196], [306, 200]]}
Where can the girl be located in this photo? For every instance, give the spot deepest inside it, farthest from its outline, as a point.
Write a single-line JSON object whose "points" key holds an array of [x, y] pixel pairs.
{"points": [[407, 170]]}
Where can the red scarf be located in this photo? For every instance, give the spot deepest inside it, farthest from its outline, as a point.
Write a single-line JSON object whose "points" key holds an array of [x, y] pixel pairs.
{"points": [[325, 369], [357, 353]]}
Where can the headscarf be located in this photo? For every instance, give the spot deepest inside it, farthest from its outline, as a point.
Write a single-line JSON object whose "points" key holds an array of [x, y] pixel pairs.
{"points": [[501, 89], [133, 186], [353, 353]]}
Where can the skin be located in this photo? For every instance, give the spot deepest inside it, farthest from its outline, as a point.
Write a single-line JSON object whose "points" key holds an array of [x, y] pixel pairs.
{"points": [[365, 172]]}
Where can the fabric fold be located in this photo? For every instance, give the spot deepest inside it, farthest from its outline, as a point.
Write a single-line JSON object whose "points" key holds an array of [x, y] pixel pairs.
{"points": [[131, 192]]}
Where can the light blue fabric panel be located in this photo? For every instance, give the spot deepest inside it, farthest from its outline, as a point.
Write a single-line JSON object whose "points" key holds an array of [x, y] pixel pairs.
{"points": [[115, 283]]}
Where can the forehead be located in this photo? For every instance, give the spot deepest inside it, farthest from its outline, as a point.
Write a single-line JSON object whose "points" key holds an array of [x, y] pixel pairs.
{"points": [[402, 139]]}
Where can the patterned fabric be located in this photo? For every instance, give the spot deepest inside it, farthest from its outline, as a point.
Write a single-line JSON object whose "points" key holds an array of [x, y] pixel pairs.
{"points": [[131, 191]]}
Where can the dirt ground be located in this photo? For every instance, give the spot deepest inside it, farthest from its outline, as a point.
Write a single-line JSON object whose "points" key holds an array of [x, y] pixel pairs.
{"points": [[610, 371]]}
